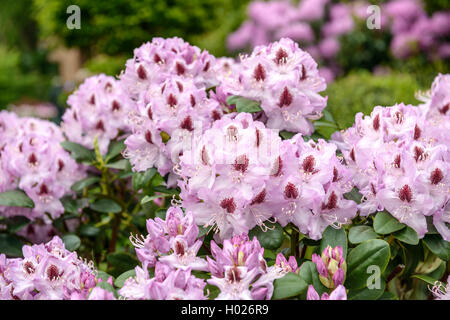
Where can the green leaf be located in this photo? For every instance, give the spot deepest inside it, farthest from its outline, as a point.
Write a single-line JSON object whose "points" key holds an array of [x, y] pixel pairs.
{"points": [[17, 223], [71, 241], [124, 276], [89, 230], [244, 104], [122, 164], [114, 149], [203, 231], [334, 237], [384, 223], [15, 198], [161, 213], [84, 183], [325, 128], [106, 206], [366, 293], [374, 252], [270, 239], [286, 135], [353, 195], [289, 286], [104, 276], [407, 235], [163, 189], [108, 287], [411, 258], [148, 198], [426, 278], [387, 296], [10, 245], [358, 234], [141, 179], [308, 272], [438, 246], [122, 262], [78, 152]]}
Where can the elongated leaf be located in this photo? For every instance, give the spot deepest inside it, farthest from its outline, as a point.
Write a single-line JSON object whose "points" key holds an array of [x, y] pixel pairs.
{"points": [[358, 234], [122, 262], [148, 198], [10, 245], [427, 279], [15, 198], [366, 293], [114, 149], [163, 189], [407, 235], [122, 164], [124, 276], [287, 135], [289, 286], [141, 179], [84, 183], [78, 152], [353, 195], [334, 237], [270, 239], [105, 206], [308, 272], [369, 254], [384, 223], [244, 104], [438, 246], [71, 241]]}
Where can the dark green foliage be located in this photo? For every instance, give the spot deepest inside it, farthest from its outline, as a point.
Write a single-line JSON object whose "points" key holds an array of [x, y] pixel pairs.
{"points": [[361, 92], [117, 27]]}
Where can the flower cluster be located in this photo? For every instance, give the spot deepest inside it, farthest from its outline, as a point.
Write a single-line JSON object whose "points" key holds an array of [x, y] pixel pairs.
{"points": [[286, 81], [240, 271], [273, 20], [32, 159], [399, 159], [168, 80], [48, 272], [338, 294], [167, 284], [414, 31], [171, 247], [98, 109], [331, 266], [319, 24], [240, 174], [165, 119], [176, 235], [156, 61]]}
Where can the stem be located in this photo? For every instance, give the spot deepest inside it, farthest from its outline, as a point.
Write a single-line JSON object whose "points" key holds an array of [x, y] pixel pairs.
{"points": [[395, 272], [115, 232], [294, 243]]}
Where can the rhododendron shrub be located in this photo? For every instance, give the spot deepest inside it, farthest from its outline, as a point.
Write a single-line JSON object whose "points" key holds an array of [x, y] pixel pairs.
{"points": [[195, 177], [334, 33]]}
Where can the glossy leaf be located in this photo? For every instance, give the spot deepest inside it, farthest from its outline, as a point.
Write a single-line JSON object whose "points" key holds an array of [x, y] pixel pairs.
{"points": [[358, 234], [289, 286], [244, 105], [106, 206], [270, 239], [15, 198], [384, 223], [370, 253], [334, 237]]}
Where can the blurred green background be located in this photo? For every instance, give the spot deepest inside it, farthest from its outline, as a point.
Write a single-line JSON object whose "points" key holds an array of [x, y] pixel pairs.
{"points": [[41, 60]]}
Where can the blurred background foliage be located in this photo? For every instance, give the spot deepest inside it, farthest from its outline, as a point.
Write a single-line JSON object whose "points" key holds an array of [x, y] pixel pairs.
{"points": [[32, 30]]}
